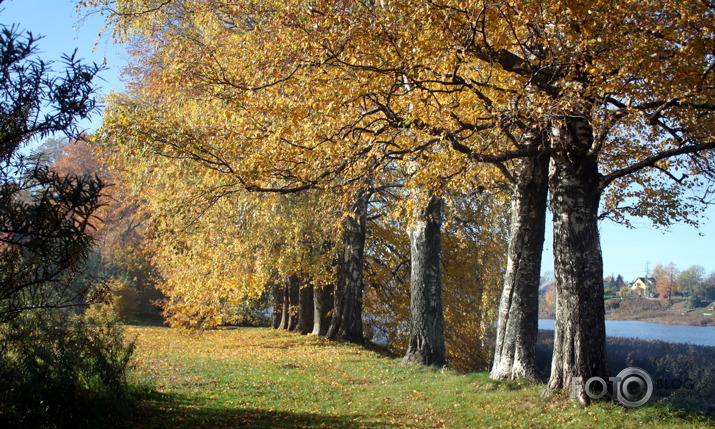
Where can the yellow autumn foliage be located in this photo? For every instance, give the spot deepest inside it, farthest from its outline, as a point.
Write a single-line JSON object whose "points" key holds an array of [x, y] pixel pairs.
{"points": [[226, 98]]}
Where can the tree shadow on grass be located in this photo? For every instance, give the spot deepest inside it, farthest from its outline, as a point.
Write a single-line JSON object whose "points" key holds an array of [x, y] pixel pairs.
{"points": [[159, 410], [380, 350]]}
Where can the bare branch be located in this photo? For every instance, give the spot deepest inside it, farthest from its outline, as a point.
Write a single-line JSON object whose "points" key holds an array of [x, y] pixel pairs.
{"points": [[652, 160]]}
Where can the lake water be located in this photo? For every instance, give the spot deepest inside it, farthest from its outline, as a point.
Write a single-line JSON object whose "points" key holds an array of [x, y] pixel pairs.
{"points": [[699, 335]]}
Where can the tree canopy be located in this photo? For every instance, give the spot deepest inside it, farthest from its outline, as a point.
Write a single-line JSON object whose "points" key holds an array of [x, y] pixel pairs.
{"points": [[363, 97]]}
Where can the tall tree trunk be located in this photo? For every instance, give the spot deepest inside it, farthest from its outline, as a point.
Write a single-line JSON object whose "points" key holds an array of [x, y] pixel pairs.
{"points": [[293, 301], [426, 343], [322, 307], [278, 299], [515, 352], [346, 323], [305, 310], [285, 310], [579, 332]]}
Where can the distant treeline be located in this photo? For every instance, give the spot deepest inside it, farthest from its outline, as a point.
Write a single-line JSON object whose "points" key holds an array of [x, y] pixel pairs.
{"points": [[683, 373]]}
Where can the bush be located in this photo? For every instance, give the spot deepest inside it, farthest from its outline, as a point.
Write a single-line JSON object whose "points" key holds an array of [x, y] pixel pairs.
{"points": [[58, 370], [693, 301], [247, 314], [682, 373]]}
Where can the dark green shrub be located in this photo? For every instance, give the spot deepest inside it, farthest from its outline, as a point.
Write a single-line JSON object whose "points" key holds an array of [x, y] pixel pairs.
{"points": [[693, 301], [57, 370]]}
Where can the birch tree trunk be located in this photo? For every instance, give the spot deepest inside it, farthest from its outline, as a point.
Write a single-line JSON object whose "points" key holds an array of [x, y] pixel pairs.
{"points": [[346, 323], [426, 343], [579, 332], [515, 352]]}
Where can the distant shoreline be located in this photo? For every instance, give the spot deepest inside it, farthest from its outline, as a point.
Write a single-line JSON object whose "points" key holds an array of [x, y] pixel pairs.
{"points": [[663, 317], [651, 310]]}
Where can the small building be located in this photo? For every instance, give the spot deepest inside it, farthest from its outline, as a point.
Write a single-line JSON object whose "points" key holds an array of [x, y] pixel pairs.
{"points": [[641, 287]]}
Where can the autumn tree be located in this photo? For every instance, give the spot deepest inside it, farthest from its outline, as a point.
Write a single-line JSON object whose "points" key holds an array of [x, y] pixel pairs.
{"points": [[550, 299], [567, 59], [616, 94], [562, 75], [121, 257], [666, 280], [322, 308], [474, 262], [281, 174]]}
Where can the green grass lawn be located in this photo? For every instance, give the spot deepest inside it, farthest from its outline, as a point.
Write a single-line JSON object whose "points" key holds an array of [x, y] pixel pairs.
{"points": [[262, 378]]}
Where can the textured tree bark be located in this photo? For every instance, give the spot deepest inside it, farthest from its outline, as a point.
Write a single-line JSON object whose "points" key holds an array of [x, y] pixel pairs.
{"points": [[346, 323], [322, 307], [579, 333], [515, 352], [278, 299], [305, 310], [426, 343], [293, 301]]}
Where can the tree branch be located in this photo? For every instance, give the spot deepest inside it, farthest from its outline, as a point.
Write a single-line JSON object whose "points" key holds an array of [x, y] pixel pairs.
{"points": [[652, 160]]}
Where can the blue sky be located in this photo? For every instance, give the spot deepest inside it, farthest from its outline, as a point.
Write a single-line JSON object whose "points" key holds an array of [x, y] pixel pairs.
{"points": [[65, 30], [625, 251]]}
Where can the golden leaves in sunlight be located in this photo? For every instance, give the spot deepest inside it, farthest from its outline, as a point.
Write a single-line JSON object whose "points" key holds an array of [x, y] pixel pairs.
{"points": [[395, 97]]}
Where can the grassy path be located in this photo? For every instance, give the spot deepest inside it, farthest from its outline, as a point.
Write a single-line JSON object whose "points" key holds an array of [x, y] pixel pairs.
{"points": [[261, 378]]}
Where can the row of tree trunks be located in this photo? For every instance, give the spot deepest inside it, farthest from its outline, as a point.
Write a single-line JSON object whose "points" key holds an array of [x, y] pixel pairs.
{"points": [[332, 311], [338, 313], [301, 308], [310, 308], [426, 342], [287, 299], [579, 349], [579, 333], [515, 353]]}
